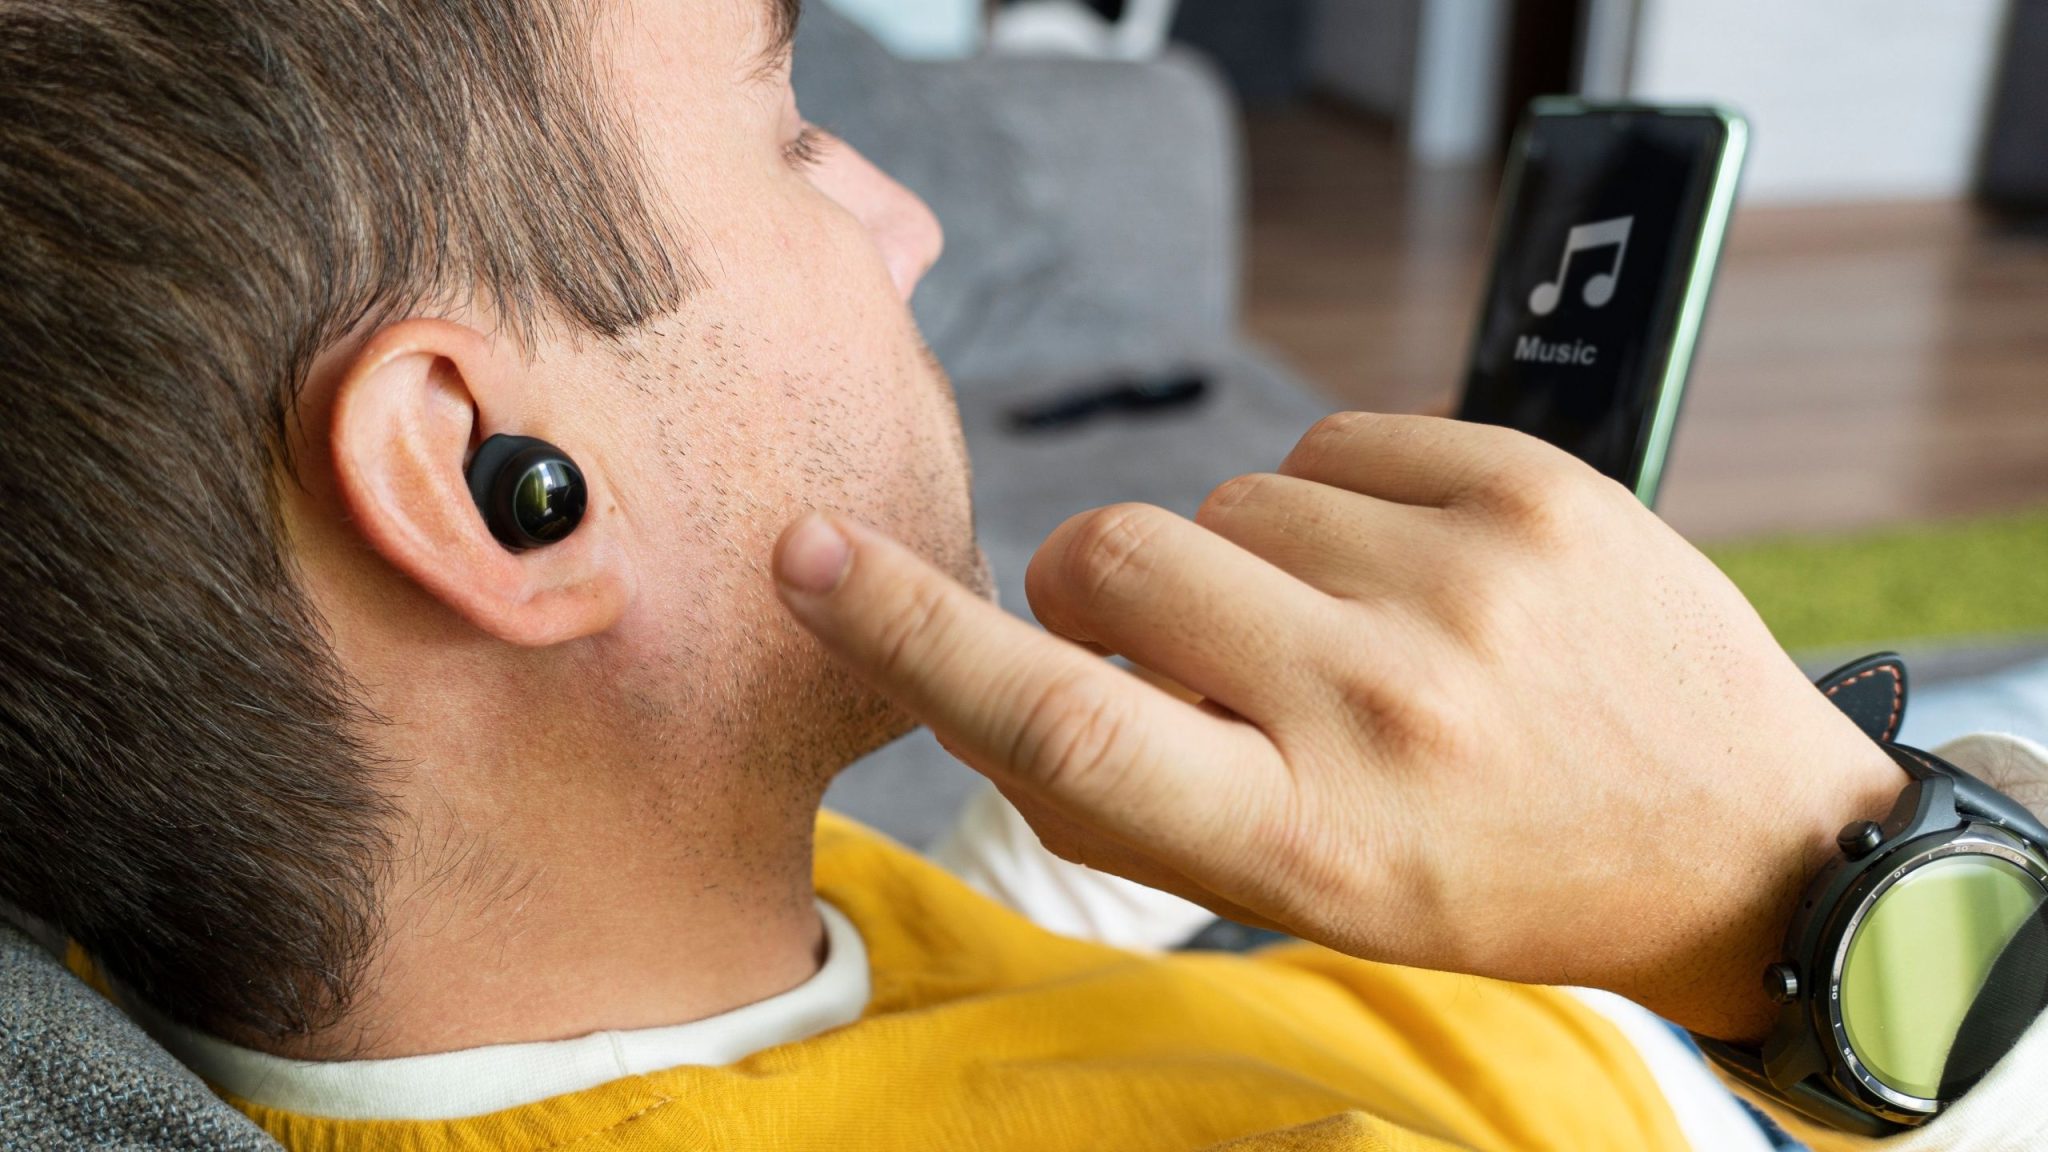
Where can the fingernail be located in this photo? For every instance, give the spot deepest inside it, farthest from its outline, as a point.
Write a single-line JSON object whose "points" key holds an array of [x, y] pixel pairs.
{"points": [[814, 558]]}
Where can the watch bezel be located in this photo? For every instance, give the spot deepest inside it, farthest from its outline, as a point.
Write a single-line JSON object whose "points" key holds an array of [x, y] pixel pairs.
{"points": [[1971, 838]]}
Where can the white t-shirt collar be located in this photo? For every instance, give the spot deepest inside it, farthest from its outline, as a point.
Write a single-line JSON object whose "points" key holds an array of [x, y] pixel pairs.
{"points": [[450, 1085]]}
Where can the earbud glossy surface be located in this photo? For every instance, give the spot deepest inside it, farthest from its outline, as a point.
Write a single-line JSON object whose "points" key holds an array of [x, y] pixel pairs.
{"points": [[529, 492]]}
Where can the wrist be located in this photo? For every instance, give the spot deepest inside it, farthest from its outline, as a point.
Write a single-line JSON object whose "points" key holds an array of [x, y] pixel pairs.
{"points": [[1850, 778]]}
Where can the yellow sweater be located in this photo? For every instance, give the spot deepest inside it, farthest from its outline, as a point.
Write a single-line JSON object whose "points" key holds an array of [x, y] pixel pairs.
{"points": [[986, 1032]]}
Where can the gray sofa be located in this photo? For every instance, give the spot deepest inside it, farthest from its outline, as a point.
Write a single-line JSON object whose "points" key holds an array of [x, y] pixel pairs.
{"points": [[1092, 213], [76, 1073]]}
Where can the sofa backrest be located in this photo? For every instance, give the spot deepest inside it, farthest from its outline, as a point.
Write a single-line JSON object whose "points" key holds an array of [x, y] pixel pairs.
{"points": [[75, 1073]]}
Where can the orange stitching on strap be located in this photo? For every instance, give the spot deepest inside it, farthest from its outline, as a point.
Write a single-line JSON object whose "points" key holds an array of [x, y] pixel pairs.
{"points": [[1891, 726]]}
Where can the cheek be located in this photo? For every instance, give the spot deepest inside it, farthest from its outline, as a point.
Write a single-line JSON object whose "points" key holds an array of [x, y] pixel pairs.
{"points": [[901, 228], [815, 396], [837, 355], [793, 379]]}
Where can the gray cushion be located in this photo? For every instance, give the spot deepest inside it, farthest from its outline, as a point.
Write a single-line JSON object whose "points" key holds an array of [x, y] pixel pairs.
{"points": [[1091, 208], [77, 1074], [939, 129]]}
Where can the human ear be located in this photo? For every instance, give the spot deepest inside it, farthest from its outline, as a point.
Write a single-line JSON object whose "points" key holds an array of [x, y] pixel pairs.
{"points": [[409, 410]]}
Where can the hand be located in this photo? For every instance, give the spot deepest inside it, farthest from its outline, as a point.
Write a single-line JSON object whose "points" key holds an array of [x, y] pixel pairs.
{"points": [[1467, 705]]}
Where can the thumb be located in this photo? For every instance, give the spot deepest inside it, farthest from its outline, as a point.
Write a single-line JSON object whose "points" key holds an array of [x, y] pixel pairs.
{"points": [[1029, 710]]}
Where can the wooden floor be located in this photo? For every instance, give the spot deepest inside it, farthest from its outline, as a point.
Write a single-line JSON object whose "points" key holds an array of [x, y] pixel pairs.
{"points": [[1861, 365]]}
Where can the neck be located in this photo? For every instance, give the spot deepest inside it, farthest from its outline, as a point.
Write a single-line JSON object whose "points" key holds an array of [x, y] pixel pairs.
{"points": [[601, 913]]}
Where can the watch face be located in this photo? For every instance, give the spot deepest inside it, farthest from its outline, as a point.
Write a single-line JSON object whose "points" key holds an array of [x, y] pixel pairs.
{"points": [[1944, 968]]}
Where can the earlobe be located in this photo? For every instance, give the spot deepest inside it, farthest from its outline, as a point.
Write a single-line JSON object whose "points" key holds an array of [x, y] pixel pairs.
{"points": [[409, 410]]}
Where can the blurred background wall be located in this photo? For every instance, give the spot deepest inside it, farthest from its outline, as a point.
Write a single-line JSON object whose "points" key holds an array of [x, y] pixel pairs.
{"points": [[1861, 99], [1857, 99]]}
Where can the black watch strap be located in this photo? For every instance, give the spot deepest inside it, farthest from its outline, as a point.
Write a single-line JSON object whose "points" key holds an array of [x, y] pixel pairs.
{"points": [[1974, 798], [1805, 1097], [1872, 692]]}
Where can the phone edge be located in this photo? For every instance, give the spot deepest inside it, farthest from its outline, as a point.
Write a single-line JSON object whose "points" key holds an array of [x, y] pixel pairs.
{"points": [[1699, 281]]}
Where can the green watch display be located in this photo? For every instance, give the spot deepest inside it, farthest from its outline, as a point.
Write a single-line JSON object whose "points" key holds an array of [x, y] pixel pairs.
{"points": [[1916, 963]]}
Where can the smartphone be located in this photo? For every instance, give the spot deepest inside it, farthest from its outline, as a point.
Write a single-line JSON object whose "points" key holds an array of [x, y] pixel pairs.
{"points": [[1605, 243]]}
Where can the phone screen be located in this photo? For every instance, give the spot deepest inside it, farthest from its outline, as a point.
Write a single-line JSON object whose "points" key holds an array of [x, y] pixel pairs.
{"points": [[1593, 261]]}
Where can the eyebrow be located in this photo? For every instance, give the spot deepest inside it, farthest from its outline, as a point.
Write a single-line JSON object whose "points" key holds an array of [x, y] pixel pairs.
{"points": [[782, 20]]}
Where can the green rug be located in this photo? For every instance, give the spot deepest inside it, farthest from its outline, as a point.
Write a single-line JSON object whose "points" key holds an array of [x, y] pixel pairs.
{"points": [[1973, 579]]}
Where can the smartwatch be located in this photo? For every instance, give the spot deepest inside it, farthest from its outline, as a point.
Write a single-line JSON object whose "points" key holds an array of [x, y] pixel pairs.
{"points": [[1920, 953]]}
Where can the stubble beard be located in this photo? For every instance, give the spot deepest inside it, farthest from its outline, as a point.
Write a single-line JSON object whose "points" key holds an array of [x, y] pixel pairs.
{"points": [[937, 522]]}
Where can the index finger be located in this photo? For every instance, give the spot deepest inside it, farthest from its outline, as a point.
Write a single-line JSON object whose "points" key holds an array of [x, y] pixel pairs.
{"points": [[1018, 705]]}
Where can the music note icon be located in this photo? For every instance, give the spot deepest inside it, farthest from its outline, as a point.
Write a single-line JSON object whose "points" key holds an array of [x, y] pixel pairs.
{"points": [[1600, 289]]}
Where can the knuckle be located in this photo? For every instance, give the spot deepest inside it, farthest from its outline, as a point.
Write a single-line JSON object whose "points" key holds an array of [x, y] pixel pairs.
{"points": [[1412, 720], [906, 627], [1232, 494], [1422, 725], [1109, 547], [1542, 503], [1336, 424], [1485, 609], [1069, 738], [1293, 848], [1319, 863], [1324, 438]]}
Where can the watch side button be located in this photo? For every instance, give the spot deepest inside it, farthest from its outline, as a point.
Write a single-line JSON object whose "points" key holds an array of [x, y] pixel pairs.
{"points": [[1781, 983], [1860, 839]]}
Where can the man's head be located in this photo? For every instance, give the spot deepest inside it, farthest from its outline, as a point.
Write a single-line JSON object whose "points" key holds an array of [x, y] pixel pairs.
{"points": [[272, 270]]}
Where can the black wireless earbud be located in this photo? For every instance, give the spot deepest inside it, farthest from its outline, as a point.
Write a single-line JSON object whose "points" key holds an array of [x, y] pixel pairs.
{"points": [[529, 491]]}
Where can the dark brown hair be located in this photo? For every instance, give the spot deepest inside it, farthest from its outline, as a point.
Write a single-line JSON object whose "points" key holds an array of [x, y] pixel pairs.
{"points": [[196, 197]]}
